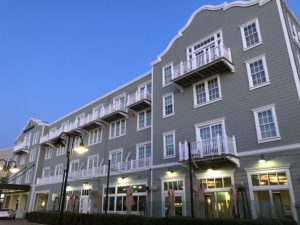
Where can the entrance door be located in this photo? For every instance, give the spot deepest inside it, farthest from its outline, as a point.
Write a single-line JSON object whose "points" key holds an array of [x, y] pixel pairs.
{"points": [[217, 204], [282, 204], [262, 204], [178, 205]]}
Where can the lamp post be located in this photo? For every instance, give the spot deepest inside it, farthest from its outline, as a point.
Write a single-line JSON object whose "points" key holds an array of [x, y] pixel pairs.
{"points": [[10, 165], [80, 149]]}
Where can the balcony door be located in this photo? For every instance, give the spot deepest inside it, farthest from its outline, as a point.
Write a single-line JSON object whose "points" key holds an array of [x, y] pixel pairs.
{"points": [[119, 103]]}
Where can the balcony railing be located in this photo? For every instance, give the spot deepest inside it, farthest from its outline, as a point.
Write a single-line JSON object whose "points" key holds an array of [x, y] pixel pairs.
{"points": [[214, 60], [221, 145], [113, 107], [49, 180], [101, 171], [23, 146], [138, 96]]}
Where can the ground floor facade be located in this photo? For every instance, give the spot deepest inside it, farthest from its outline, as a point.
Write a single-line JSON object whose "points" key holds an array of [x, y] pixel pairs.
{"points": [[268, 188]]}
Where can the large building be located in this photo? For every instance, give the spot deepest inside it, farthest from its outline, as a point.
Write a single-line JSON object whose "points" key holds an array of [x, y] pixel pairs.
{"points": [[227, 86]]}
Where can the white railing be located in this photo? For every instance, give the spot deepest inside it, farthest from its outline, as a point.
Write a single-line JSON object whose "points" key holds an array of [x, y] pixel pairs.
{"points": [[201, 60], [49, 180], [138, 96], [113, 107], [22, 145], [221, 145]]}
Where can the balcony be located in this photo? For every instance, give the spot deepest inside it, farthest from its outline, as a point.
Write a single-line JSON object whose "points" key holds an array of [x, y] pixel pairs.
{"points": [[221, 148], [22, 147], [91, 121], [114, 111], [49, 180], [213, 61], [139, 101]]}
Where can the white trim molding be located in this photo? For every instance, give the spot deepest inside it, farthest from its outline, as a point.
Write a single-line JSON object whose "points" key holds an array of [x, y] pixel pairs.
{"points": [[245, 46]]}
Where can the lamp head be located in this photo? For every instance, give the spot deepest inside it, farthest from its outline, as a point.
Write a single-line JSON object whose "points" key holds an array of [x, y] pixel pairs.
{"points": [[262, 159], [59, 143], [81, 148], [15, 169]]}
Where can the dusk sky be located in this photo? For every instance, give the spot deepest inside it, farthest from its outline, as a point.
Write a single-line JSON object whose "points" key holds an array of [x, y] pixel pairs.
{"points": [[58, 55]]}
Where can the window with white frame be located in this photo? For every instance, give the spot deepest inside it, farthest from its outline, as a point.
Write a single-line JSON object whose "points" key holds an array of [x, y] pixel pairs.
{"points": [[145, 89], [295, 32], [95, 136], [207, 91], [22, 160], [119, 102], [251, 34], [28, 176], [266, 124], [210, 130], [48, 153], [116, 156], [257, 72], [19, 179], [65, 125], [35, 139], [79, 120], [92, 161], [32, 154], [74, 167], [97, 111], [169, 144], [144, 119], [59, 169], [27, 140], [46, 172], [77, 141], [60, 151], [168, 105], [118, 128], [144, 150], [167, 74]]}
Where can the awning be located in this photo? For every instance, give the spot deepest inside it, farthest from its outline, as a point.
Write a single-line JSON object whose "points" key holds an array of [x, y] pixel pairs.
{"points": [[13, 188]]}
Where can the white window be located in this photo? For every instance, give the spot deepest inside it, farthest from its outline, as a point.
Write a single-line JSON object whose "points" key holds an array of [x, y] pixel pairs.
{"points": [[145, 90], [46, 172], [119, 103], [257, 72], [92, 161], [168, 105], [79, 120], [22, 160], [144, 119], [35, 138], [116, 156], [77, 141], [19, 179], [251, 34], [169, 144], [59, 169], [65, 125], [48, 153], [32, 154], [28, 176], [74, 167], [95, 136], [97, 111], [167, 74], [27, 140], [207, 91], [118, 128], [60, 151], [266, 124], [210, 130], [144, 150]]}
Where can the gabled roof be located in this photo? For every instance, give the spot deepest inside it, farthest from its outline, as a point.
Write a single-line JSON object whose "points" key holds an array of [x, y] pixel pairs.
{"points": [[224, 6], [28, 124]]}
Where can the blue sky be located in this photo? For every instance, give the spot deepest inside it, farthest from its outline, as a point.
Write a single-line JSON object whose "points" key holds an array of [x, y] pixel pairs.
{"points": [[58, 55]]}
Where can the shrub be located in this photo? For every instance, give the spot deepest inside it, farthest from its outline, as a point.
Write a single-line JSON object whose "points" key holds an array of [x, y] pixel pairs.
{"points": [[51, 218]]}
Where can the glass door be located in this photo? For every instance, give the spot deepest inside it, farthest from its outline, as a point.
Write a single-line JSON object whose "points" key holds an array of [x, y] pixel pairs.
{"points": [[282, 204], [262, 204]]}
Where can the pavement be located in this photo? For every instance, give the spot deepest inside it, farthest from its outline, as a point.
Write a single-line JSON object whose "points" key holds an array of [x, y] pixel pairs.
{"points": [[13, 222]]}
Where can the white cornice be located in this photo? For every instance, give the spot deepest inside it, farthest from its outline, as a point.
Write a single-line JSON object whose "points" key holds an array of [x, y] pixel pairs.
{"points": [[224, 6], [37, 121]]}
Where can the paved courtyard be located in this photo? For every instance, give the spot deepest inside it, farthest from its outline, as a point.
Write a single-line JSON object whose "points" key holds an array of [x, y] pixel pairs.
{"points": [[13, 222]]}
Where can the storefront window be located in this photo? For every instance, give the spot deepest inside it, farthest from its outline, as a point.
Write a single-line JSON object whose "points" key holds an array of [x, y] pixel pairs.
{"points": [[265, 179]]}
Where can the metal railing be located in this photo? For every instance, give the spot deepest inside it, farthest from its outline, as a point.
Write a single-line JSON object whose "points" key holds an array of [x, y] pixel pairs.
{"points": [[49, 180], [138, 96], [22, 145], [220, 145], [201, 60]]}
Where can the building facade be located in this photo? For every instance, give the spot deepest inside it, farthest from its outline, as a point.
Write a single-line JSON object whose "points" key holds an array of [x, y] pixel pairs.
{"points": [[228, 89]]}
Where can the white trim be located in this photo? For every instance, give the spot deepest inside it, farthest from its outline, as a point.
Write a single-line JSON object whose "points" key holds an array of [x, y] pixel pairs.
{"points": [[58, 167], [37, 121], [289, 47], [91, 157], [41, 192], [114, 122], [163, 74], [98, 129], [145, 119], [142, 144], [250, 81], [205, 81], [165, 156], [224, 6], [260, 139], [245, 47], [164, 102]]}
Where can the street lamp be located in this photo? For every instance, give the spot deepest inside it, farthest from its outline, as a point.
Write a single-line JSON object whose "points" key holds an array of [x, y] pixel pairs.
{"points": [[9, 166], [80, 150]]}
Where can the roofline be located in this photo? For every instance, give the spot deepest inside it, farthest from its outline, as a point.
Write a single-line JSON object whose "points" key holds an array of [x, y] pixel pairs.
{"points": [[291, 12], [224, 6], [39, 122], [102, 97]]}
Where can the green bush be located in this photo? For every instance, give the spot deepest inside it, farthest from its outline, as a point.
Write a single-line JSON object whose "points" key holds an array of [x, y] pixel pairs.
{"points": [[51, 218]]}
